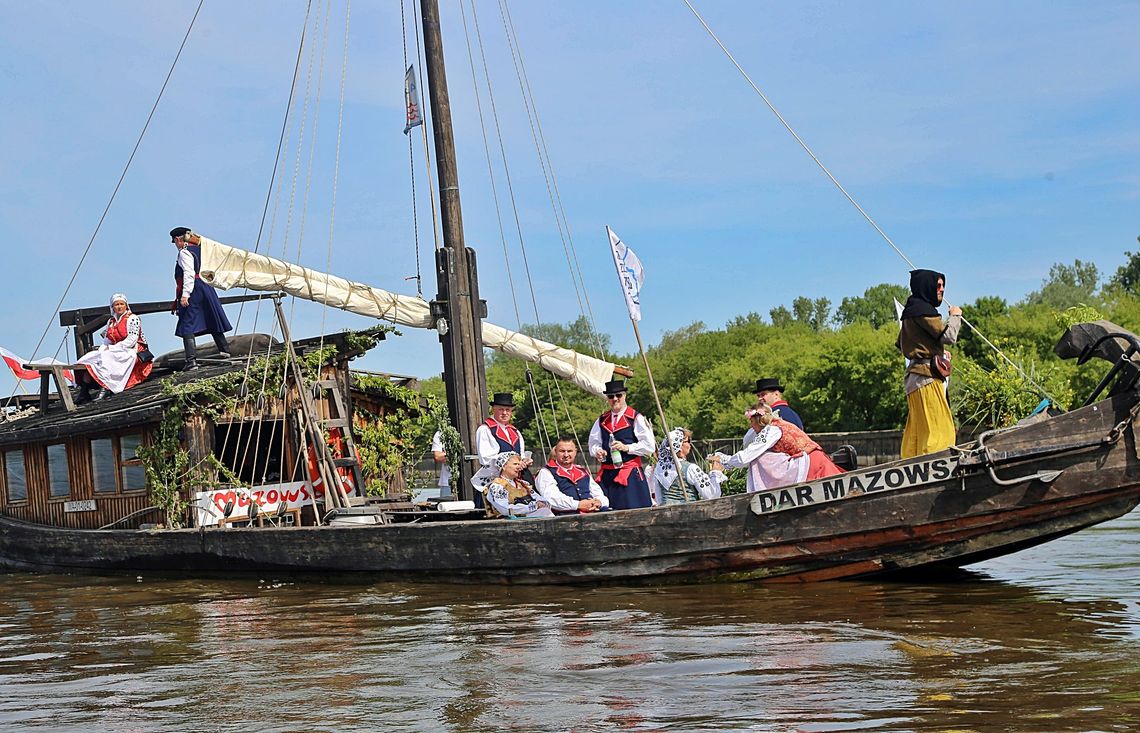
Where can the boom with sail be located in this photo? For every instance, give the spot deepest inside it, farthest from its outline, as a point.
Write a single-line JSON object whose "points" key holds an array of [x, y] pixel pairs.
{"points": [[229, 267]]}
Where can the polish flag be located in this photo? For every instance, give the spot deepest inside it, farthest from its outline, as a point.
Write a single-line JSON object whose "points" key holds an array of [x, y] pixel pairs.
{"points": [[16, 364]]}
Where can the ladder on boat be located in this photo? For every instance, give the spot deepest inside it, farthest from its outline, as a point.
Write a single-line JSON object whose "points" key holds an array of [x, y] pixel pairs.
{"points": [[315, 430]]}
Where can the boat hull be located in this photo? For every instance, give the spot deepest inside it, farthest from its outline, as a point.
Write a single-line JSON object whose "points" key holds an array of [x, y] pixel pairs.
{"points": [[940, 511]]}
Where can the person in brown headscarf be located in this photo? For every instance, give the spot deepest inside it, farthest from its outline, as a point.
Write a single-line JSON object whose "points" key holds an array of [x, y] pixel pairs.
{"points": [[923, 338]]}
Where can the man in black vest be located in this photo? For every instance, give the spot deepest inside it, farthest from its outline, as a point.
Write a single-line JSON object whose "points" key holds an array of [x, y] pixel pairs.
{"points": [[567, 486]]}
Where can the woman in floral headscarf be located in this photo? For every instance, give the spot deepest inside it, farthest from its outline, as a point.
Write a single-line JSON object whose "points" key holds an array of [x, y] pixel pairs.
{"points": [[698, 484], [511, 497], [115, 365]]}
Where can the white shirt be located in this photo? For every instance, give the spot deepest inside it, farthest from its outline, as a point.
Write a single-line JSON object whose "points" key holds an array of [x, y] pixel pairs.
{"points": [[488, 449], [645, 445], [445, 469], [187, 261], [547, 486]]}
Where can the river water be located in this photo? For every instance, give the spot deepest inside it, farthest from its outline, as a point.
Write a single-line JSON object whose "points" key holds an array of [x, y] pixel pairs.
{"points": [[1047, 640]]}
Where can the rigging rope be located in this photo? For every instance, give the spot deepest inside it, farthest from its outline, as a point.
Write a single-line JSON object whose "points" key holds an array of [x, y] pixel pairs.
{"points": [[269, 196], [514, 206], [560, 218], [490, 167], [412, 165], [843, 190], [436, 224], [119, 183], [336, 168]]}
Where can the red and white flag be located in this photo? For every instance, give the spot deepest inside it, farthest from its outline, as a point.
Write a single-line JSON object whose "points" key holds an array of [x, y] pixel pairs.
{"points": [[412, 100], [16, 364]]}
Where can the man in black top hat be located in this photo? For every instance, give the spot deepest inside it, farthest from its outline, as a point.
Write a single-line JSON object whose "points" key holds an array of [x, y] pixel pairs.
{"points": [[497, 435], [620, 440], [195, 303]]}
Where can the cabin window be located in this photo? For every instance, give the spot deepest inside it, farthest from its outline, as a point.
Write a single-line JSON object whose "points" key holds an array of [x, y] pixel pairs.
{"points": [[15, 477], [131, 471], [115, 465], [103, 465], [59, 483], [254, 452]]}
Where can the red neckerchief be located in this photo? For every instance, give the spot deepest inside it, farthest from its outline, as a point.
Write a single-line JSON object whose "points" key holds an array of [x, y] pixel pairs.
{"points": [[574, 473], [507, 432], [780, 403], [625, 420]]}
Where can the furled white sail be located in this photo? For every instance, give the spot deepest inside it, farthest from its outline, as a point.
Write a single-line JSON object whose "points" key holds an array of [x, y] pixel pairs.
{"points": [[228, 267]]}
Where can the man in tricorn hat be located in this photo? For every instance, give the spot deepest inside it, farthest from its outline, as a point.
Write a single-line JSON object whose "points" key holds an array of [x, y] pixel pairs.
{"points": [[771, 392], [620, 439], [497, 435], [195, 303]]}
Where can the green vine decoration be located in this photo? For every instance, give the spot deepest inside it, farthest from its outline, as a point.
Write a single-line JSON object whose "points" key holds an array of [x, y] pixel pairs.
{"points": [[394, 443], [165, 461]]}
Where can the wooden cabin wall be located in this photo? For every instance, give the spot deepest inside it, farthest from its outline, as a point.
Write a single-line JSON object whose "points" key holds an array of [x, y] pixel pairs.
{"points": [[42, 508]]}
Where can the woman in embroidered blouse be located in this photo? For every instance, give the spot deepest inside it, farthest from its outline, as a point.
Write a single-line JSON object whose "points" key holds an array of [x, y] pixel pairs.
{"points": [[511, 497], [781, 454], [698, 484], [115, 365]]}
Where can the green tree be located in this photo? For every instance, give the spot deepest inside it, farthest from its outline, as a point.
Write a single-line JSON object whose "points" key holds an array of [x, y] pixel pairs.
{"points": [[1067, 285], [876, 306], [781, 317], [982, 313], [813, 313], [1127, 276], [855, 382]]}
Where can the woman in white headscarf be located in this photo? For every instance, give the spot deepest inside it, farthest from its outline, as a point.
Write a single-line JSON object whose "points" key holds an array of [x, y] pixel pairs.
{"points": [[511, 497], [698, 484], [116, 365]]}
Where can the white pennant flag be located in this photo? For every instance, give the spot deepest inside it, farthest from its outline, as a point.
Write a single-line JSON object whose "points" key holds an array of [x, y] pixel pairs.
{"points": [[630, 273], [412, 100]]}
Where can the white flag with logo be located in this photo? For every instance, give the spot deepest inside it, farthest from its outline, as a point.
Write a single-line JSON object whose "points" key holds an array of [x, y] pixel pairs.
{"points": [[630, 273], [412, 100]]}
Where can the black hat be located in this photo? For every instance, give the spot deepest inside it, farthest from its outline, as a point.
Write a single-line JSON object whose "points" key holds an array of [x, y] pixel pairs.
{"points": [[763, 385], [503, 399], [617, 386], [179, 232]]}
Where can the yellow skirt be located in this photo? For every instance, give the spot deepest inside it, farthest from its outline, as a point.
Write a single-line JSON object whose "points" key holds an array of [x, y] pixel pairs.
{"points": [[929, 425]]}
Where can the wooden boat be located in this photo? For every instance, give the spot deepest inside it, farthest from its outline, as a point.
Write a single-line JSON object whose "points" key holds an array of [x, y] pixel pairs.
{"points": [[1009, 490]]}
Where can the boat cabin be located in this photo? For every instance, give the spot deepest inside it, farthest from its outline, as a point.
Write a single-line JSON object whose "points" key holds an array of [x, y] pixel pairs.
{"points": [[142, 457]]}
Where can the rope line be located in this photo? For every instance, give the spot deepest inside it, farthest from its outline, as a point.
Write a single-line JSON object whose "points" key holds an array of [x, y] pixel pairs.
{"points": [[490, 167], [561, 219], [119, 183], [843, 190], [506, 167], [412, 164]]}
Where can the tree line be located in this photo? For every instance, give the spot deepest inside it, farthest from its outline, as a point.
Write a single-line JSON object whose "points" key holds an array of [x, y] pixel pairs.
{"points": [[840, 366]]}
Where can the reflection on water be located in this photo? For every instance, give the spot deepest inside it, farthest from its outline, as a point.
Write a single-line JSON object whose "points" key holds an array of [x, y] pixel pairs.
{"points": [[1044, 641]]}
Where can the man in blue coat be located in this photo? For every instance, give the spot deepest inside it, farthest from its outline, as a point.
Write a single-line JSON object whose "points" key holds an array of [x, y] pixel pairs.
{"points": [[195, 303]]}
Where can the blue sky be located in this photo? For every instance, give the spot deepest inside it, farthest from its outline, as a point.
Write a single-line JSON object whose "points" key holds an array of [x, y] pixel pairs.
{"points": [[988, 140]]}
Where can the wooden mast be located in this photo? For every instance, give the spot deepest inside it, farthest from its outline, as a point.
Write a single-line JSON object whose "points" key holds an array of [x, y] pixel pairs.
{"points": [[457, 303]]}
